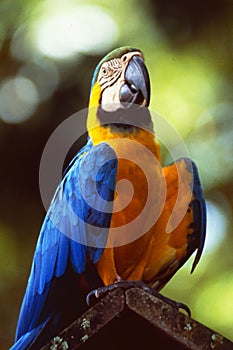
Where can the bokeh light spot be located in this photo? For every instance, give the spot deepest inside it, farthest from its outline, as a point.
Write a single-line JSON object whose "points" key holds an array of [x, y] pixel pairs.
{"points": [[216, 227], [212, 139], [82, 29], [18, 99]]}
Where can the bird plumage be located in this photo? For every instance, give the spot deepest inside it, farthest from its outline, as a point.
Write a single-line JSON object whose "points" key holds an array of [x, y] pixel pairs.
{"points": [[78, 248]]}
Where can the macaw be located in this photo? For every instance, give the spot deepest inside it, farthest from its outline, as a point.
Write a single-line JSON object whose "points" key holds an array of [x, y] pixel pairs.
{"points": [[79, 247]]}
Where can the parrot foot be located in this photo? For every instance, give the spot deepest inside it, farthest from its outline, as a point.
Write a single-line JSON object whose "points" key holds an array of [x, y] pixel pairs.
{"points": [[99, 292]]}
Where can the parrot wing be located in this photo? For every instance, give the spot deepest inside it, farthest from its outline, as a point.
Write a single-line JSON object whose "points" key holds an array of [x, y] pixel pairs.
{"points": [[194, 219], [197, 207], [183, 221], [71, 232]]}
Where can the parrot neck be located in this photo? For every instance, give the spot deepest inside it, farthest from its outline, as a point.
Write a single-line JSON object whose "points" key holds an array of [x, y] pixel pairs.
{"points": [[107, 133]]}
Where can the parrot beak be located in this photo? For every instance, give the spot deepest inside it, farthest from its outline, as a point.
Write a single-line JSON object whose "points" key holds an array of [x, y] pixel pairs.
{"points": [[136, 88]]}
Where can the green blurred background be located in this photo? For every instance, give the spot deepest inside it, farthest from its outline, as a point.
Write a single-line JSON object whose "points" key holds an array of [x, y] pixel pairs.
{"points": [[48, 52]]}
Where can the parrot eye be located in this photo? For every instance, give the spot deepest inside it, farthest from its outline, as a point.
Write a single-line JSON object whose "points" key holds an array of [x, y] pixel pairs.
{"points": [[104, 72]]}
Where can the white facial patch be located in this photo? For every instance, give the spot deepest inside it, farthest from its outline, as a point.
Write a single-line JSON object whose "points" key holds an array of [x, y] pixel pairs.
{"points": [[110, 96]]}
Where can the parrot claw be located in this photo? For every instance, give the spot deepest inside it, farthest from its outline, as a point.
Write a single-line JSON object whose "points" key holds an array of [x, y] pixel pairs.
{"points": [[99, 292], [89, 296]]}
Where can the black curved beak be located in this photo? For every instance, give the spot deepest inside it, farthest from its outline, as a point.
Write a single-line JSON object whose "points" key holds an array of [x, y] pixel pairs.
{"points": [[136, 88]]}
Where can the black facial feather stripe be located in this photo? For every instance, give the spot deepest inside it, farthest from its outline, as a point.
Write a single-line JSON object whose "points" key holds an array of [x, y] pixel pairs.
{"points": [[111, 80]]}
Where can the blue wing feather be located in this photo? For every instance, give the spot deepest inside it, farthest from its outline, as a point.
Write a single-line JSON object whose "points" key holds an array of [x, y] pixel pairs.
{"points": [[65, 232], [27, 338], [199, 214]]}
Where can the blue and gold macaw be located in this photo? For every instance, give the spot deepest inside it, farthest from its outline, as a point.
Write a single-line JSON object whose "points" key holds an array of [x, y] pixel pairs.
{"points": [[78, 248]]}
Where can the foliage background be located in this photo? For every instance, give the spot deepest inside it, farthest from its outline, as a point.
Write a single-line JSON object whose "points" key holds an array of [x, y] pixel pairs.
{"points": [[48, 52]]}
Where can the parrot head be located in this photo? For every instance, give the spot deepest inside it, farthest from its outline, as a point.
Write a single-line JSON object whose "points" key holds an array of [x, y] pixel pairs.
{"points": [[122, 77], [120, 85]]}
